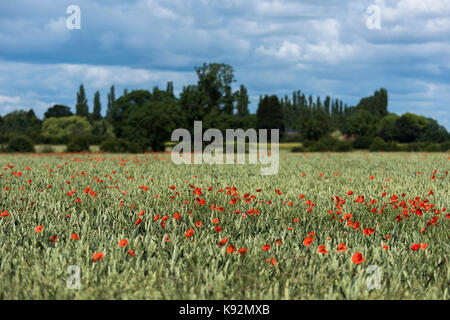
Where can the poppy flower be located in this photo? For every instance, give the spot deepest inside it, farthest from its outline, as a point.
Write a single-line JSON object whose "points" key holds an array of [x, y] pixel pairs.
{"points": [[75, 236], [423, 246], [341, 247], [215, 220], [358, 258], [39, 229], [231, 249], [198, 224], [368, 231], [5, 214], [97, 256], [279, 242], [266, 247], [415, 247], [176, 216], [123, 243], [222, 242], [242, 251], [189, 233], [218, 228], [131, 253], [322, 249], [53, 238], [308, 241], [272, 262], [138, 221]]}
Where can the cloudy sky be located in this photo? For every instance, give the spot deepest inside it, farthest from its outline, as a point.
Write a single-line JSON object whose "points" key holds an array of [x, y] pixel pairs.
{"points": [[322, 47]]}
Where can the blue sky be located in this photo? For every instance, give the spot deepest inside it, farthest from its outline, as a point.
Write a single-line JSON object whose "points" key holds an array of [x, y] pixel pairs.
{"points": [[322, 47]]}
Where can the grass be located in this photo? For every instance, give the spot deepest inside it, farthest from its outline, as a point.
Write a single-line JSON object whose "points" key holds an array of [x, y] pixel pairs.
{"points": [[35, 267]]}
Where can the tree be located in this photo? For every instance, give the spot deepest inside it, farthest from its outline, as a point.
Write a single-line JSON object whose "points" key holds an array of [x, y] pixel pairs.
{"points": [[169, 88], [111, 99], [81, 107], [270, 115], [66, 127], [387, 127], [242, 102], [58, 111], [362, 123], [213, 80], [152, 124], [123, 107], [97, 107], [21, 122], [376, 104]]}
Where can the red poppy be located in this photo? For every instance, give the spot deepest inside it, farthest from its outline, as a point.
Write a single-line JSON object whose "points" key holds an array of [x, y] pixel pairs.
{"points": [[97, 256], [242, 250], [358, 258], [322, 249], [176, 216], [308, 241], [189, 233], [5, 214], [222, 242], [123, 243], [231, 249], [415, 247], [131, 253], [266, 247], [218, 228], [75, 236], [138, 221], [39, 229], [341, 247], [53, 238]]}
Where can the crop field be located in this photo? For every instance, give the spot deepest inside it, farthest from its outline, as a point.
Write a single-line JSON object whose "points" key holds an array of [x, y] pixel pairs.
{"points": [[327, 226]]}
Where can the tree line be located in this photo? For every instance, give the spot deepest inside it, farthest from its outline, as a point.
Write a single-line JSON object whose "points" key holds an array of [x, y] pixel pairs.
{"points": [[143, 120]]}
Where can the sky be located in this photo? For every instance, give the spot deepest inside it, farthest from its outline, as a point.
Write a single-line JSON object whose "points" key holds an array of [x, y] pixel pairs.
{"points": [[344, 49]]}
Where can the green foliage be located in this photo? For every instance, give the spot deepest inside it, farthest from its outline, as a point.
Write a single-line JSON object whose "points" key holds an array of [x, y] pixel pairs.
{"points": [[270, 115], [119, 145], [362, 123], [62, 129], [58, 111], [78, 144], [96, 116], [362, 142], [21, 122], [82, 108], [20, 144]]}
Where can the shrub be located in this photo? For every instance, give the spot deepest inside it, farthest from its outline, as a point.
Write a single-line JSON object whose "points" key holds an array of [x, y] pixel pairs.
{"points": [[298, 149], [318, 147], [78, 144], [362, 142], [114, 145], [432, 147], [378, 144], [19, 144], [445, 146], [344, 146], [120, 145]]}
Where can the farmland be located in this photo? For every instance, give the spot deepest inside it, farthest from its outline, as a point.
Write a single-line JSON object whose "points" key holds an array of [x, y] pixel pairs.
{"points": [[328, 226]]}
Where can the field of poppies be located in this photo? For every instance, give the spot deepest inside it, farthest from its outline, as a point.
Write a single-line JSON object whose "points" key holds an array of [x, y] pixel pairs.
{"points": [[328, 226]]}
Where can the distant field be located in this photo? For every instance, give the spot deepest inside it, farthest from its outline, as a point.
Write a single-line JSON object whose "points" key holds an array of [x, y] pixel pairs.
{"points": [[328, 226]]}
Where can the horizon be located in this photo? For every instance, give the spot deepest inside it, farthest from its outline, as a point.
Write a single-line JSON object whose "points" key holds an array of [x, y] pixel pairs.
{"points": [[275, 47]]}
